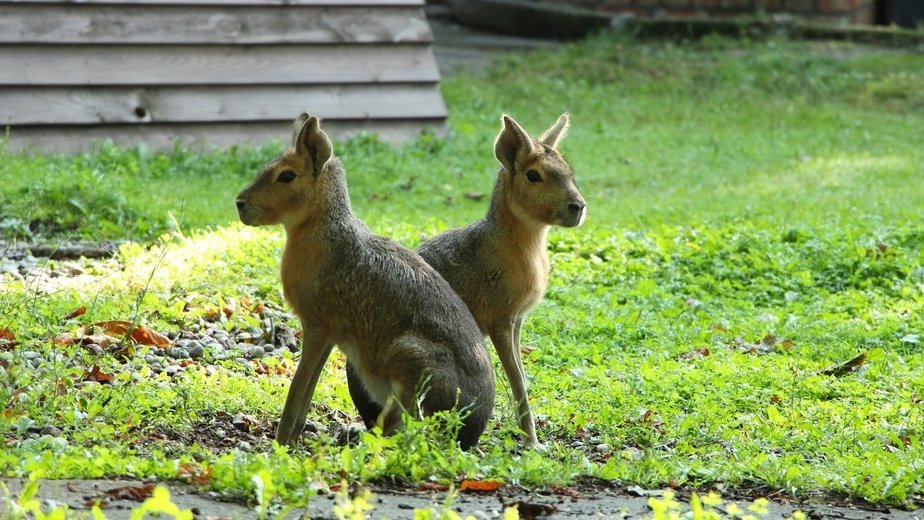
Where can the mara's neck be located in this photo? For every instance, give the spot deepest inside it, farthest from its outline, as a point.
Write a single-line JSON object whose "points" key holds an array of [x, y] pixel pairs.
{"points": [[332, 213], [509, 222]]}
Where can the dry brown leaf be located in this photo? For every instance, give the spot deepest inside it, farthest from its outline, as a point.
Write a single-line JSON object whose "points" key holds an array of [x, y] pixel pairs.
{"points": [[565, 491], [65, 338], [432, 486], [851, 365], [696, 353], [135, 493], [99, 339], [480, 486], [79, 311], [7, 335], [96, 374], [140, 334], [194, 473]]}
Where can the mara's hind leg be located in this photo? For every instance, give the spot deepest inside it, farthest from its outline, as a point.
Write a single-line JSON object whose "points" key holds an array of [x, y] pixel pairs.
{"points": [[403, 399], [367, 407]]}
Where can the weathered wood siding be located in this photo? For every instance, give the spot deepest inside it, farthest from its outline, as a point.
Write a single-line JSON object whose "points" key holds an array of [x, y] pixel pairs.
{"points": [[212, 72]]}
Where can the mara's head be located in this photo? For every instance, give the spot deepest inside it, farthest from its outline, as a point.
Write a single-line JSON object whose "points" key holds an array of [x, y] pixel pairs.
{"points": [[540, 184], [286, 191]]}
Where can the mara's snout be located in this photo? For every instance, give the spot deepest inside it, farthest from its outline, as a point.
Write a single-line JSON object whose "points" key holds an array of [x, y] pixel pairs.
{"points": [[246, 212], [573, 214]]}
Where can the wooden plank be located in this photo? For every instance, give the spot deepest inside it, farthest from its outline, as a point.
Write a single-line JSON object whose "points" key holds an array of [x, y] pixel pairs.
{"points": [[68, 139], [220, 64], [221, 3], [54, 105], [131, 24]]}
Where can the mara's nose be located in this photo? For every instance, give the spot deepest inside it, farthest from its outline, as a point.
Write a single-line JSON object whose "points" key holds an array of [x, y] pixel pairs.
{"points": [[240, 204], [577, 207]]}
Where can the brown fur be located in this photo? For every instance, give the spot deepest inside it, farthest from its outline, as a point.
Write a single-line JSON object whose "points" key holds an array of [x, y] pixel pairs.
{"points": [[500, 265], [399, 323]]}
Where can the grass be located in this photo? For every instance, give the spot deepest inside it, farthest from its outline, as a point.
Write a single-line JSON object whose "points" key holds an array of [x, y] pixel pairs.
{"points": [[755, 216]]}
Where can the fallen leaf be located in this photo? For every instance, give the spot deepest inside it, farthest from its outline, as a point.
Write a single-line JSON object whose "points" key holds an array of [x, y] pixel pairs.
{"points": [[136, 493], [774, 399], [96, 374], [7, 334], [851, 365], [79, 311], [65, 338], [565, 491], [432, 486], [140, 334], [696, 353], [480, 486], [194, 473], [99, 339]]}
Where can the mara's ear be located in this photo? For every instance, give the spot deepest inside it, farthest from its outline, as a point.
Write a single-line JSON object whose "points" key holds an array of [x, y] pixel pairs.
{"points": [[512, 141], [556, 131], [297, 126], [313, 144]]}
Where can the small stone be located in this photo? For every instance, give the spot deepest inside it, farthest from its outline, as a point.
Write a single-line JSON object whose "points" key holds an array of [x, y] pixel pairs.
{"points": [[182, 343], [243, 347], [150, 359], [268, 348], [94, 349], [602, 447], [244, 446], [54, 431], [255, 353], [172, 370], [242, 361], [196, 351], [177, 353], [30, 355]]}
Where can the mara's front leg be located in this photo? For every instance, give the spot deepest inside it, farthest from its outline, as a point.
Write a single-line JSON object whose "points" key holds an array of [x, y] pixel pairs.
{"points": [[505, 335], [315, 351]]}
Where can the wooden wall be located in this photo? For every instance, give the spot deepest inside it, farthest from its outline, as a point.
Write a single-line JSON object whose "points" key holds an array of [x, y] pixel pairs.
{"points": [[212, 72]]}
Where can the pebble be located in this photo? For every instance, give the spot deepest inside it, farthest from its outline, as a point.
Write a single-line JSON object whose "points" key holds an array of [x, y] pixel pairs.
{"points": [[196, 351], [94, 349], [255, 352], [30, 355], [602, 447], [172, 370], [54, 431], [177, 353]]}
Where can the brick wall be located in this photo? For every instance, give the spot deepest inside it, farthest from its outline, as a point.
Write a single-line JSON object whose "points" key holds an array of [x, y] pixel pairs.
{"points": [[830, 11]]}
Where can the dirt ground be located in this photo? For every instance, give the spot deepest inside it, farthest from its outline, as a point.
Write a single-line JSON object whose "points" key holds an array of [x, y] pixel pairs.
{"points": [[588, 501]]}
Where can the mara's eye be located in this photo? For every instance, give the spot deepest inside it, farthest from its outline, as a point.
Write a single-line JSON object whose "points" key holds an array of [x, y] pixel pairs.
{"points": [[286, 176], [533, 176]]}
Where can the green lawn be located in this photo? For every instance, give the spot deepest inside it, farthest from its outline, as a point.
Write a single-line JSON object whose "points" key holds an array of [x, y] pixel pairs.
{"points": [[756, 216]]}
